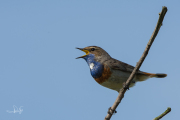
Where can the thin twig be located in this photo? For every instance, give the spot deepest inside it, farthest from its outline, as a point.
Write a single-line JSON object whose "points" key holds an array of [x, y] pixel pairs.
{"points": [[163, 114], [126, 86]]}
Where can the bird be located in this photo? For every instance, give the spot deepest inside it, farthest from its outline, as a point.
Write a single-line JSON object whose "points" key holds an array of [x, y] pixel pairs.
{"points": [[109, 72]]}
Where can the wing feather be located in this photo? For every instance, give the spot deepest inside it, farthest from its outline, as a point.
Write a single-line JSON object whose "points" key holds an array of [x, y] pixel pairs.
{"points": [[118, 65]]}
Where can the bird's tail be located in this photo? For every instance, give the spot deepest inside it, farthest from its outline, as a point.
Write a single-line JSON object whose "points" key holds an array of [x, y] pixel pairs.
{"points": [[158, 75], [145, 76]]}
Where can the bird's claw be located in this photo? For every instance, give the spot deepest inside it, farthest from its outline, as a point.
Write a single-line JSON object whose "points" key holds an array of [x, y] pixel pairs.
{"points": [[125, 86], [110, 111]]}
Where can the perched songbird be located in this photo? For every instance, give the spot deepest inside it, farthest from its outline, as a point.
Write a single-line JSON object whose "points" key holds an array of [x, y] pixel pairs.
{"points": [[109, 72]]}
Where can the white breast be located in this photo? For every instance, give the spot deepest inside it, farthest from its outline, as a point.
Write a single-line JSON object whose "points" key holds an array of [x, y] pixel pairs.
{"points": [[91, 66]]}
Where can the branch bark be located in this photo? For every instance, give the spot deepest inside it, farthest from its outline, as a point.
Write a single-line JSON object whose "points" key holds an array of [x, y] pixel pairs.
{"points": [[138, 65], [163, 114]]}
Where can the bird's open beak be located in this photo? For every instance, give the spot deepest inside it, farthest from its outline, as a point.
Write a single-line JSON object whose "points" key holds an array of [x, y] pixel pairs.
{"points": [[86, 51]]}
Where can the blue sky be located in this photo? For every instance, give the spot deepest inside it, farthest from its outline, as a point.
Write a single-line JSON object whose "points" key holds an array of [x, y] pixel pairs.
{"points": [[38, 69]]}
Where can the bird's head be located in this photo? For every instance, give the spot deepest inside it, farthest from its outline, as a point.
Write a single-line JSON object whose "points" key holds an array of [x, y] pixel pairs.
{"points": [[94, 52]]}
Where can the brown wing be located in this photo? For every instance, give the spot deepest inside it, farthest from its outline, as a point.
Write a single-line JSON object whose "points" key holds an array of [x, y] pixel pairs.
{"points": [[118, 65]]}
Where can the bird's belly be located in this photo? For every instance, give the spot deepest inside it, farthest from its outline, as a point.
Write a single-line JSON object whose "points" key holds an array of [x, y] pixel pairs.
{"points": [[116, 80], [118, 76]]}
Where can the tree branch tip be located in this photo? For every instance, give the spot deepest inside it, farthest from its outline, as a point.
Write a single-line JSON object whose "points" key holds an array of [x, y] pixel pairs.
{"points": [[164, 7], [163, 114], [164, 10], [169, 109]]}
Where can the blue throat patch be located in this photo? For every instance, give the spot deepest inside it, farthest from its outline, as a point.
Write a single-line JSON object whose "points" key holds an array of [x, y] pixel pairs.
{"points": [[98, 68]]}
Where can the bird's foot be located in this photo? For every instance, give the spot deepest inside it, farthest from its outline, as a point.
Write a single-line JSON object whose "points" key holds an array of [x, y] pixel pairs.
{"points": [[125, 86], [133, 81], [110, 111]]}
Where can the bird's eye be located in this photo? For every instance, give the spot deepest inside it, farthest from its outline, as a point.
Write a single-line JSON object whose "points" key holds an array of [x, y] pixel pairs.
{"points": [[92, 49]]}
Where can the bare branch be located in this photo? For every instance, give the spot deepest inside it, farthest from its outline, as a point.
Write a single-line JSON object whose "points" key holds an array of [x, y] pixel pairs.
{"points": [[163, 114], [126, 86]]}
